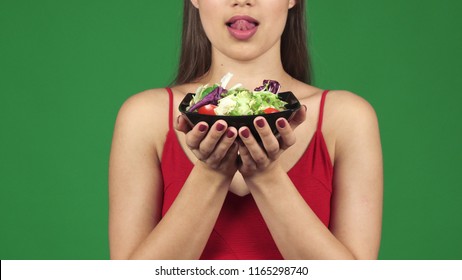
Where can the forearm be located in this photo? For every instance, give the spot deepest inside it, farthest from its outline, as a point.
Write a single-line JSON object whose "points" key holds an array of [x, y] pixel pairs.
{"points": [[296, 230], [185, 229]]}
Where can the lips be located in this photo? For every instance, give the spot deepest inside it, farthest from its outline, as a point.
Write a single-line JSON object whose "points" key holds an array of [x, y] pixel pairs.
{"points": [[242, 27]]}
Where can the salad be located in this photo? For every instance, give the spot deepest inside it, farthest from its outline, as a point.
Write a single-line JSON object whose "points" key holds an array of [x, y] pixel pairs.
{"points": [[237, 101]]}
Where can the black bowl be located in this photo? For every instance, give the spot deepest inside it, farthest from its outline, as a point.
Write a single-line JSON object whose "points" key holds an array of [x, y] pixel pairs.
{"points": [[292, 106]]}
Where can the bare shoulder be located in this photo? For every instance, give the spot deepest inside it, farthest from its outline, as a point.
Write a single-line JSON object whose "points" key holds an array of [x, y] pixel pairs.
{"points": [[351, 121], [350, 101], [143, 117], [349, 110], [145, 102]]}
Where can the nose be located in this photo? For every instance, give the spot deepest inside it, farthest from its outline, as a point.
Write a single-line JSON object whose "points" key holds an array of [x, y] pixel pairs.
{"points": [[243, 3]]}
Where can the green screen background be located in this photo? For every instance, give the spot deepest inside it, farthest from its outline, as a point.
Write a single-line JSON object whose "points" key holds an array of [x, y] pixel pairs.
{"points": [[67, 66]]}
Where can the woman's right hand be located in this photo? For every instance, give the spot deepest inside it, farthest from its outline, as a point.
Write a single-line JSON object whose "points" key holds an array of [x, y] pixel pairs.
{"points": [[214, 147]]}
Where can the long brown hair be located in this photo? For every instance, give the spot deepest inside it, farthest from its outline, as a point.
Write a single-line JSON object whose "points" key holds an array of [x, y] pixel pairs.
{"points": [[196, 50]]}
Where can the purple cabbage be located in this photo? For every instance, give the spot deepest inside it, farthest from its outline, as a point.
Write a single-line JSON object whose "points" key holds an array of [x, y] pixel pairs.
{"points": [[269, 85], [211, 98]]}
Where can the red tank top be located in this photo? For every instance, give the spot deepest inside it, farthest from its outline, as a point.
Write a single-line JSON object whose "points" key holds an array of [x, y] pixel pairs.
{"points": [[240, 231]]}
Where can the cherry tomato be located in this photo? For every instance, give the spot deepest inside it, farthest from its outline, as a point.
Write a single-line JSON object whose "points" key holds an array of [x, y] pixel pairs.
{"points": [[208, 109], [270, 110]]}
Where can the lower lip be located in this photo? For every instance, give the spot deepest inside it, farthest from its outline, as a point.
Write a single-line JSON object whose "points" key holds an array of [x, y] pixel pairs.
{"points": [[242, 34]]}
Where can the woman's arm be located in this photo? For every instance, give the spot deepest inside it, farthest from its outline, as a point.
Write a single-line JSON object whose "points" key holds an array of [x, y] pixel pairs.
{"points": [[355, 225], [136, 229]]}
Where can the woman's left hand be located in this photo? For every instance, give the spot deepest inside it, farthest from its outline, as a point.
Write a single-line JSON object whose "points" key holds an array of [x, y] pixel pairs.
{"points": [[258, 158]]}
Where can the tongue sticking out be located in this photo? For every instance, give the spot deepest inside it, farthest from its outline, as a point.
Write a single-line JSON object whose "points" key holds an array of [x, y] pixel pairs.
{"points": [[242, 24]]}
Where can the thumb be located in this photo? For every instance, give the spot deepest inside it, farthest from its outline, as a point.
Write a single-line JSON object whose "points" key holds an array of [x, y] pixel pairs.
{"points": [[182, 124], [299, 117]]}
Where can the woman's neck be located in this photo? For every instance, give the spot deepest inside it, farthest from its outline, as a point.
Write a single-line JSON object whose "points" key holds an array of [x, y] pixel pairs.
{"points": [[249, 73]]}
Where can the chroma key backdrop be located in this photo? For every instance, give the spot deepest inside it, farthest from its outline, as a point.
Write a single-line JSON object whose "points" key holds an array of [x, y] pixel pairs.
{"points": [[66, 67]]}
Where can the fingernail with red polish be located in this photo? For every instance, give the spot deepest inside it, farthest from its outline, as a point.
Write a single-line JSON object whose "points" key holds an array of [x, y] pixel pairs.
{"points": [[230, 134], [202, 127], [260, 123], [245, 133], [281, 123], [220, 127]]}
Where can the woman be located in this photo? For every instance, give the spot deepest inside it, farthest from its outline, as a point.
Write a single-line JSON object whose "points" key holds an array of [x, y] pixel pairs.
{"points": [[213, 192]]}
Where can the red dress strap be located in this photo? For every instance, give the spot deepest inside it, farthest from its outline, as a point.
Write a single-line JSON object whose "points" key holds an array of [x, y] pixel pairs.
{"points": [[321, 109], [170, 108]]}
